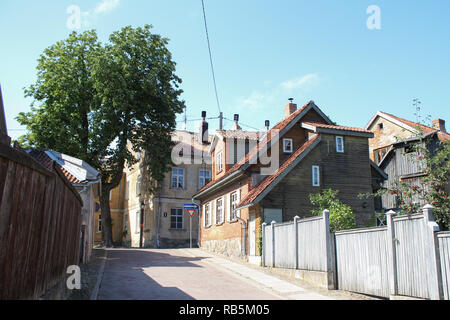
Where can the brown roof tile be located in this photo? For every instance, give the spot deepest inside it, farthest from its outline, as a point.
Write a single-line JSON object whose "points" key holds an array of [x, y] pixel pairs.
{"points": [[328, 126]]}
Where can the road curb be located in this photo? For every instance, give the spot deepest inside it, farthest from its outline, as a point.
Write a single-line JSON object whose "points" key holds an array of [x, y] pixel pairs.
{"points": [[94, 294]]}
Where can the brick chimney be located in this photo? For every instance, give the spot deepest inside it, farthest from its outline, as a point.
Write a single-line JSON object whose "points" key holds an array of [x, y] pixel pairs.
{"points": [[439, 124], [204, 129], [290, 108]]}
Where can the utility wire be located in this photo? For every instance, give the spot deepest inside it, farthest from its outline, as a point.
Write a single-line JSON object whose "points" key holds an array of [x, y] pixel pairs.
{"points": [[210, 57], [243, 124]]}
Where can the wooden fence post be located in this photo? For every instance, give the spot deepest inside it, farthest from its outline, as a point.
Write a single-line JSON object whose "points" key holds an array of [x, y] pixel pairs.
{"points": [[296, 218], [273, 243], [431, 254], [330, 253], [263, 244], [392, 255]]}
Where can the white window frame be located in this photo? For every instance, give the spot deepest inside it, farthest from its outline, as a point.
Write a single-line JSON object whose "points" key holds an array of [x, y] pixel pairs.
{"points": [[222, 211], [342, 144], [316, 170], [99, 223], [208, 214], [138, 185], [177, 215], [202, 179], [178, 176], [219, 164], [137, 227], [234, 215], [284, 145]]}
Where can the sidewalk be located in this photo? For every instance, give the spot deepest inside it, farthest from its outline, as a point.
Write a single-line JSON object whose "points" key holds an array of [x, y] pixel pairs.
{"points": [[287, 289]]}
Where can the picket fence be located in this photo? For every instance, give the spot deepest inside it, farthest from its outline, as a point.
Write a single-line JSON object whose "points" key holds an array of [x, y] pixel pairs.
{"points": [[407, 257]]}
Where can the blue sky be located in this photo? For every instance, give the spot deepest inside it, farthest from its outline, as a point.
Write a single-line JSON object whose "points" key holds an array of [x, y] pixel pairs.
{"points": [[264, 53]]}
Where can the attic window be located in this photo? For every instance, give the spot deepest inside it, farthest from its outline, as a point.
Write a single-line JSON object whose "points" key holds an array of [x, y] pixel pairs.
{"points": [[340, 144], [380, 126], [288, 146]]}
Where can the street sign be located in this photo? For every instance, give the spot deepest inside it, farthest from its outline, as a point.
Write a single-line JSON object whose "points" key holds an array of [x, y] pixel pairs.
{"points": [[191, 212], [190, 208]]}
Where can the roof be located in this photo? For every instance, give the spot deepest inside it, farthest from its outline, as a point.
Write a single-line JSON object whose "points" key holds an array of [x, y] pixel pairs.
{"points": [[76, 171], [336, 127], [270, 181], [265, 143], [408, 125]]}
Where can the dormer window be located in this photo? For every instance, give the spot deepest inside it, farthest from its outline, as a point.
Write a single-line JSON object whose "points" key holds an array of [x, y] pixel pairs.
{"points": [[288, 146], [340, 144]]}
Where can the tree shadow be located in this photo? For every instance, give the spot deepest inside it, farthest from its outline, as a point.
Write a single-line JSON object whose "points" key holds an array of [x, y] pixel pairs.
{"points": [[124, 277]]}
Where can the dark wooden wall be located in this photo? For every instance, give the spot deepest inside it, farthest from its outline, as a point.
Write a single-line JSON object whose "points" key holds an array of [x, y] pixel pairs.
{"points": [[40, 220], [349, 173]]}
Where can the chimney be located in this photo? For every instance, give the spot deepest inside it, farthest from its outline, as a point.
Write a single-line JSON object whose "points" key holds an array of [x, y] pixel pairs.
{"points": [[439, 124], [267, 124], [290, 108], [236, 123], [204, 129], [3, 129]]}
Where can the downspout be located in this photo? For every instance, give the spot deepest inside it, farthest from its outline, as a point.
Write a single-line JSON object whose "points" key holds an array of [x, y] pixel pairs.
{"points": [[158, 243], [199, 221], [244, 227]]}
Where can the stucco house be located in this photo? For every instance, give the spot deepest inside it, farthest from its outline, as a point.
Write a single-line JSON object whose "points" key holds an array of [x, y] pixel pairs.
{"points": [[304, 153], [86, 180]]}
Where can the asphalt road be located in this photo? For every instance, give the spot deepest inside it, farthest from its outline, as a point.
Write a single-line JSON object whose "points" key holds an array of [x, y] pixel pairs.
{"points": [[177, 274]]}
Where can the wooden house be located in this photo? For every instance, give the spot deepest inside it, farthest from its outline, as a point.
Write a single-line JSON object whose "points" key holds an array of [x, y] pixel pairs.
{"points": [[303, 154]]}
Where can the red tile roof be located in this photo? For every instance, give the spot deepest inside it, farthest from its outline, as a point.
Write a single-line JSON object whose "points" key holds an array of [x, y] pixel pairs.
{"points": [[47, 162], [254, 152], [442, 136], [256, 191], [334, 127]]}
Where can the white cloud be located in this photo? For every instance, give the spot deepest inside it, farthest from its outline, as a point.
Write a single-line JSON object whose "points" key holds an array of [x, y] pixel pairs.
{"points": [[106, 6], [294, 88]]}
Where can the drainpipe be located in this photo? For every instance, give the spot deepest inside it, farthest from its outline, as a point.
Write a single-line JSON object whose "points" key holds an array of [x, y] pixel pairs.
{"points": [[199, 220], [244, 227], [158, 244]]}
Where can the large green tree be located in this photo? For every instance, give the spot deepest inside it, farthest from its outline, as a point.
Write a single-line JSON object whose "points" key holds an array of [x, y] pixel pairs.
{"points": [[103, 103]]}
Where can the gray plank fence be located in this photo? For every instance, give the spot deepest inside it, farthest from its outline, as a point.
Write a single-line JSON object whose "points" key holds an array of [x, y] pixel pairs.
{"points": [[408, 257]]}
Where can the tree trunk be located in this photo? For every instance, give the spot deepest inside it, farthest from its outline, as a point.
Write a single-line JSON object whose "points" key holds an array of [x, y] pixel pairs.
{"points": [[106, 217]]}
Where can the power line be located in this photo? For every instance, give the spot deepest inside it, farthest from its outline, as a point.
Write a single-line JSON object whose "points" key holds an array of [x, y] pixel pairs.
{"points": [[243, 124], [210, 57]]}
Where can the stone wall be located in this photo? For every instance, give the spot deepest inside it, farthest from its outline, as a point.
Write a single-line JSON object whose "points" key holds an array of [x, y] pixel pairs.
{"points": [[227, 247]]}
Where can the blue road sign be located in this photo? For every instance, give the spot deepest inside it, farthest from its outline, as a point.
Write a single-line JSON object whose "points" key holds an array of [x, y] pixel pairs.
{"points": [[190, 206]]}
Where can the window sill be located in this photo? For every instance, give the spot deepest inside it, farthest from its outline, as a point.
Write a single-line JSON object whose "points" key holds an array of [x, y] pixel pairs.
{"points": [[175, 229], [219, 224], [233, 221]]}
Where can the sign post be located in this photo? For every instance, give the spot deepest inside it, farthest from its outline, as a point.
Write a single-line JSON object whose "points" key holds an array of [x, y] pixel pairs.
{"points": [[191, 209]]}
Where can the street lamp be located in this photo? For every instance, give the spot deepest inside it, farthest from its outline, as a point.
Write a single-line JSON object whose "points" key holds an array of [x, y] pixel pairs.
{"points": [[142, 224]]}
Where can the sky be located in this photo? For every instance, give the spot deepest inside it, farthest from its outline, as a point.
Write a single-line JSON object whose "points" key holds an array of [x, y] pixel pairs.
{"points": [[352, 57]]}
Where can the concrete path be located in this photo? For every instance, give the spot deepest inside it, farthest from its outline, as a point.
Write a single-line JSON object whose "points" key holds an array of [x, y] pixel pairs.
{"points": [[188, 274]]}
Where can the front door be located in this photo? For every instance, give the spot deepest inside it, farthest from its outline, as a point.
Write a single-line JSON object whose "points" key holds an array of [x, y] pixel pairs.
{"points": [[252, 233]]}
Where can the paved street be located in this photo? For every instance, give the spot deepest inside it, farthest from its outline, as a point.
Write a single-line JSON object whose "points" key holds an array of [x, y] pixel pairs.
{"points": [[189, 274]]}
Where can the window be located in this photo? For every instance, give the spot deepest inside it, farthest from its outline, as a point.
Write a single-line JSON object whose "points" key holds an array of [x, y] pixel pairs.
{"points": [[234, 200], [288, 146], [137, 228], [315, 176], [207, 214], [340, 144], [127, 190], [204, 177], [219, 162], [176, 218], [380, 126], [99, 225], [177, 178], [138, 186], [219, 211], [110, 195]]}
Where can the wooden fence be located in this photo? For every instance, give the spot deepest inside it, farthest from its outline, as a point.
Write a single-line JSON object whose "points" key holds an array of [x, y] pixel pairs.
{"points": [[40, 219], [304, 244], [408, 257]]}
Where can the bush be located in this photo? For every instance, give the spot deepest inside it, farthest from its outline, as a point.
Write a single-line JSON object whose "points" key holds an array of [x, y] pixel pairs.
{"points": [[341, 215]]}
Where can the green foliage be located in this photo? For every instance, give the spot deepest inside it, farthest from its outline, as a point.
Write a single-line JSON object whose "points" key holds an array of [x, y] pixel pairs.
{"points": [[104, 102], [341, 215]]}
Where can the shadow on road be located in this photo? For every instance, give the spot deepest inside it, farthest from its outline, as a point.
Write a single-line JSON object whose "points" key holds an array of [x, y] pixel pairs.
{"points": [[124, 277]]}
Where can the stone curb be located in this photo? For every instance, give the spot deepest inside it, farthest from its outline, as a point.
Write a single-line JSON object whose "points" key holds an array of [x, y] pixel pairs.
{"points": [[94, 294]]}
